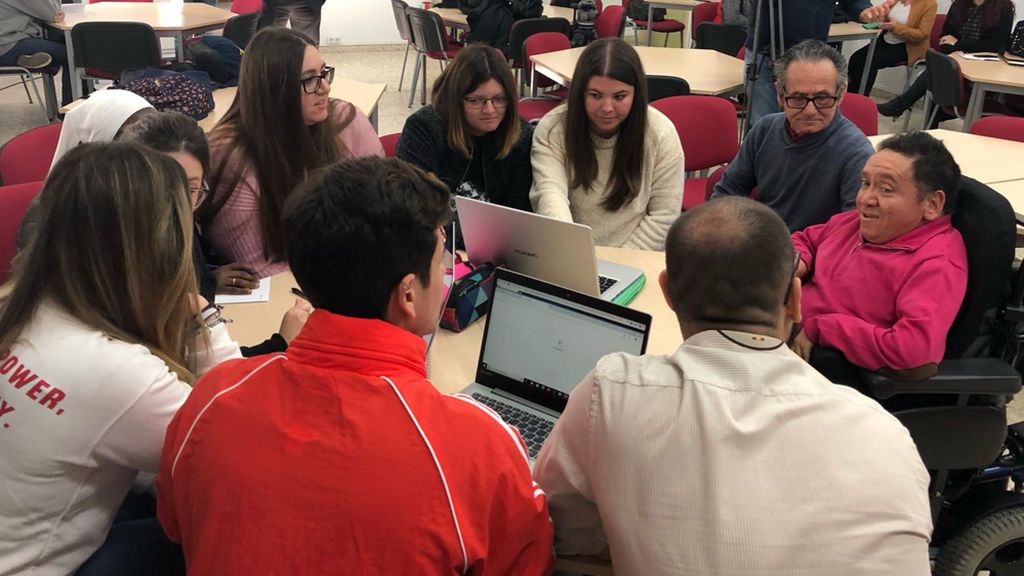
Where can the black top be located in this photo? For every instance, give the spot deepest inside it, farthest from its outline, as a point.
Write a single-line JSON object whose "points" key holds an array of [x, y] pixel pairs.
{"points": [[991, 39]]}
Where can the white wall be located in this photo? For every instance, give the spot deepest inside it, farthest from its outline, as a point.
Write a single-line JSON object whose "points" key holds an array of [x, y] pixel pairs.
{"points": [[358, 22]]}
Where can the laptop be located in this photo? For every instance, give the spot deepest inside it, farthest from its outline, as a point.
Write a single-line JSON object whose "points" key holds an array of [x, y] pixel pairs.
{"points": [[540, 340], [552, 250]]}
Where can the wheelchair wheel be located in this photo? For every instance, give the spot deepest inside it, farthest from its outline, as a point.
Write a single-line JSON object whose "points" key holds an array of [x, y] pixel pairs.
{"points": [[992, 546]]}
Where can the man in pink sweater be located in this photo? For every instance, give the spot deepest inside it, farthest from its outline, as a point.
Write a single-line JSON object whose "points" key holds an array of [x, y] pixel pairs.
{"points": [[883, 282]]}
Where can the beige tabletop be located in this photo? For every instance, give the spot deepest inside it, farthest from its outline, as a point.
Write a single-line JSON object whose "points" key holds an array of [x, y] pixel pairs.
{"points": [[162, 16], [676, 4], [985, 159], [453, 357], [708, 72], [841, 31], [988, 76], [1013, 190], [456, 19]]}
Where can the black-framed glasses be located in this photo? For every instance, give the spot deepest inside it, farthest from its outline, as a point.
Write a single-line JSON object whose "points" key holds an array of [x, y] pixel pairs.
{"points": [[199, 194], [477, 103], [796, 266], [820, 102], [312, 84]]}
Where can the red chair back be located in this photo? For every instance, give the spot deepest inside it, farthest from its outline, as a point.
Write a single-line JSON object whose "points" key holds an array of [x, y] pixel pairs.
{"points": [[713, 179], [246, 6], [389, 142], [611, 21], [936, 35], [862, 111], [1004, 127], [98, 1], [542, 43], [703, 12], [27, 156], [706, 126], [14, 200]]}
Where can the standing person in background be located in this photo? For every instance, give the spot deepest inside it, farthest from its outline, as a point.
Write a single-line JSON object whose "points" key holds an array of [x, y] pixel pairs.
{"points": [[303, 15], [605, 158], [23, 39], [735, 12], [905, 36]]}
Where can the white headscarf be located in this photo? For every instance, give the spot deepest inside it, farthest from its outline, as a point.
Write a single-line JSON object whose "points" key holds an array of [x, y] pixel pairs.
{"points": [[97, 119]]}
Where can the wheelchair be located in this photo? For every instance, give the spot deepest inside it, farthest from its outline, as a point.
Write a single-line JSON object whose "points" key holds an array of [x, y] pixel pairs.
{"points": [[957, 417]]}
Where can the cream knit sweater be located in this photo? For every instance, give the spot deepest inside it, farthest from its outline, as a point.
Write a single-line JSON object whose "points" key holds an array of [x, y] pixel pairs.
{"points": [[643, 222]]}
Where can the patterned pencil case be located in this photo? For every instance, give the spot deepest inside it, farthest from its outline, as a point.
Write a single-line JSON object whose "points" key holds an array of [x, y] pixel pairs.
{"points": [[468, 298]]}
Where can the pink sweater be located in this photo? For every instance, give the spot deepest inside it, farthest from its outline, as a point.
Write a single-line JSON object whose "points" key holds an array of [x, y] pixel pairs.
{"points": [[882, 305], [235, 233]]}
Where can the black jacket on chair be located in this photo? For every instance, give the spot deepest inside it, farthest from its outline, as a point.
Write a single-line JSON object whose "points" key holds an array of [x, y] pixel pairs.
{"points": [[491, 20]]}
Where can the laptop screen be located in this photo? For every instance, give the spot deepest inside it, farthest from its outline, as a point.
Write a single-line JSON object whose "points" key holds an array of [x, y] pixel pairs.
{"points": [[541, 340]]}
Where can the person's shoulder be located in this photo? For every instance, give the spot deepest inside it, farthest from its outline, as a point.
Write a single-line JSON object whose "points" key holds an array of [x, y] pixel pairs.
{"points": [[476, 431], [768, 125], [622, 369], [552, 122], [850, 137]]}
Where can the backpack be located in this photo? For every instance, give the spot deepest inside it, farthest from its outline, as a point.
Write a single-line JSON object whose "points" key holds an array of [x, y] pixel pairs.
{"points": [[190, 93], [638, 11], [1016, 45], [583, 19]]}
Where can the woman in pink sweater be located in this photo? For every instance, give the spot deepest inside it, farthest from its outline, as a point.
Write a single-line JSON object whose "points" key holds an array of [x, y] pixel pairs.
{"points": [[281, 126]]}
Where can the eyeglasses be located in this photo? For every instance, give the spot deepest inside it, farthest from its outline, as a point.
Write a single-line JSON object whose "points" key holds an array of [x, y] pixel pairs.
{"points": [[789, 287], [477, 103], [312, 84], [199, 194], [820, 102]]}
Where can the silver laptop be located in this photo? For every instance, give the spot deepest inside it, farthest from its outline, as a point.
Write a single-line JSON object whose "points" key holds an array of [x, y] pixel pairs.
{"points": [[552, 250], [540, 340]]}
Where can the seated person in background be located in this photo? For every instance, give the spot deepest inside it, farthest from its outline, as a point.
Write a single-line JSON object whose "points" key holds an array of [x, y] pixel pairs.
{"points": [[100, 339], [394, 477], [23, 40], [605, 158], [470, 135], [748, 461], [281, 126], [805, 161], [885, 281], [906, 33]]}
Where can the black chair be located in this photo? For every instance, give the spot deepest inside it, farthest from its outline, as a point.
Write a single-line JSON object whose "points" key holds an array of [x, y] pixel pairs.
{"points": [[721, 38], [523, 29], [659, 87], [241, 28], [107, 49], [430, 40], [27, 76], [402, 23], [945, 85]]}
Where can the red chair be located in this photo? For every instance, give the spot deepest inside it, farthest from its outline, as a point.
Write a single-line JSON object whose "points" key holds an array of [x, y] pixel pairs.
{"points": [[702, 12], [389, 142], [611, 22], [542, 43], [14, 200], [709, 135], [27, 156], [246, 6], [862, 111], [1003, 127], [666, 27], [712, 180]]}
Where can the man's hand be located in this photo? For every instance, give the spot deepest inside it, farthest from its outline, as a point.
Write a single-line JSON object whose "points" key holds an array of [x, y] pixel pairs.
{"points": [[803, 346], [948, 39], [875, 13], [294, 319], [59, 17], [235, 278]]}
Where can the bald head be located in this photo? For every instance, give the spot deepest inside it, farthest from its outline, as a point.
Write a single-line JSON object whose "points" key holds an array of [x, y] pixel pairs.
{"points": [[729, 263]]}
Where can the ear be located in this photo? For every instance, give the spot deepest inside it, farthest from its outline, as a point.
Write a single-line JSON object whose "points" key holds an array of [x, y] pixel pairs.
{"points": [[933, 205], [841, 92], [792, 306], [402, 305], [663, 282], [778, 96]]}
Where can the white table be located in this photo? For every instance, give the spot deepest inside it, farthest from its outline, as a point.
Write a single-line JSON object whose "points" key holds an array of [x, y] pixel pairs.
{"points": [[995, 76], [987, 160]]}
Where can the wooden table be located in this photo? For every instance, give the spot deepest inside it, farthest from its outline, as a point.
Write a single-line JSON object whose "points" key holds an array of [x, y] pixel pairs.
{"points": [[842, 32], [454, 18], [995, 76], [988, 160], [708, 72], [362, 95], [168, 19], [1013, 190], [453, 357]]}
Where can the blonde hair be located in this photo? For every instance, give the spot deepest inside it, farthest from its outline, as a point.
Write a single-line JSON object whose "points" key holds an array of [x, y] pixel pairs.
{"points": [[113, 248]]}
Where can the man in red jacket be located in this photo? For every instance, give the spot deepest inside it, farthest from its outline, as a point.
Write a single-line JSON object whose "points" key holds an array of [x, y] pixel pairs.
{"points": [[339, 456]]}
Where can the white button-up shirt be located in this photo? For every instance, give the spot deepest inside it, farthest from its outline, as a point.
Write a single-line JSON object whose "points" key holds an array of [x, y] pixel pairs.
{"points": [[733, 457]]}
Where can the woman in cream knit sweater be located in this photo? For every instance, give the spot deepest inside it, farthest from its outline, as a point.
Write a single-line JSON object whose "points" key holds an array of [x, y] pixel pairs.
{"points": [[606, 159]]}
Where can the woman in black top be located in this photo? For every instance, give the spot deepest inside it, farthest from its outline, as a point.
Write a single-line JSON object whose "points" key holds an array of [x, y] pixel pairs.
{"points": [[970, 26]]}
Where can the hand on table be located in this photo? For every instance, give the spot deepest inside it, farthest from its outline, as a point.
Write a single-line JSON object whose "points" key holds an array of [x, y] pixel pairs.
{"points": [[948, 39], [235, 278], [802, 345], [294, 319]]}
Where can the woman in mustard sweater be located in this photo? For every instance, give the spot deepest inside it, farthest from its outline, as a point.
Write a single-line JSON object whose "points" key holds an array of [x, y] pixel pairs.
{"points": [[905, 36]]}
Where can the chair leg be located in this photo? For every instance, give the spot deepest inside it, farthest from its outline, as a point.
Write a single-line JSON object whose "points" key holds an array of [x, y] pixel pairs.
{"points": [[405, 60], [636, 35], [42, 103], [415, 79], [423, 83], [25, 86], [906, 119]]}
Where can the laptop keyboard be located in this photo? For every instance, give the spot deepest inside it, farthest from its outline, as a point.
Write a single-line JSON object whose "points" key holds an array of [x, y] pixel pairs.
{"points": [[532, 428], [604, 283]]}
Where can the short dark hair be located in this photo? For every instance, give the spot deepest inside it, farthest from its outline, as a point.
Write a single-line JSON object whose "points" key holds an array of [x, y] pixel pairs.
{"points": [[169, 132], [729, 263], [811, 51], [356, 228], [934, 167]]}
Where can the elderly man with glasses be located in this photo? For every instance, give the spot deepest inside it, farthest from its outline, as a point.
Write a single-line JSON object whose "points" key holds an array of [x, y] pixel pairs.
{"points": [[804, 162]]}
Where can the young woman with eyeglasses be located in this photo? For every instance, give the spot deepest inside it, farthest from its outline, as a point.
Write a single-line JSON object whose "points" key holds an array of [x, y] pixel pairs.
{"points": [[605, 158], [471, 135], [281, 126]]}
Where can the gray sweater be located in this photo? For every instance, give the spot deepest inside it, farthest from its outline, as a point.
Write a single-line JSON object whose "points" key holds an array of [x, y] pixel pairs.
{"points": [[18, 20], [807, 181]]}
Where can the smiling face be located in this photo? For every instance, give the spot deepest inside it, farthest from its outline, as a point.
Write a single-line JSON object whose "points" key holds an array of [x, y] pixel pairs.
{"points": [[607, 102], [809, 79], [888, 203], [484, 107], [314, 106]]}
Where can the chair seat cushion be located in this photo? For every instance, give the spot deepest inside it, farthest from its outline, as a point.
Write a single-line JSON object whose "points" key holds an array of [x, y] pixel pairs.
{"points": [[694, 192], [666, 26], [531, 109], [453, 49]]}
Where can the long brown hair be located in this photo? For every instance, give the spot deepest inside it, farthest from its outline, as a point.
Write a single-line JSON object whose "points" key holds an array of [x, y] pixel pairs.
{"points": [[617, 60], [990, 12], [474, 65], [112, 248], [264, 131]]}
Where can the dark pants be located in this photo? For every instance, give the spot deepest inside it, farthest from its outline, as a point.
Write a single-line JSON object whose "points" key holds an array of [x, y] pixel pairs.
{"points": [[56, 50], [303, 18], [886, 56], [136, 544]]}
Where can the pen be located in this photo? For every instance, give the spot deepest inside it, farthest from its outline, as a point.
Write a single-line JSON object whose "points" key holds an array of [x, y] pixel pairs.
{"points": [[299, 293]]}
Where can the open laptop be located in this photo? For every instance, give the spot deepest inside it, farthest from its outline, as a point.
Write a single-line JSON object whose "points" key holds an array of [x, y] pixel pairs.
{"points": [[540, 340], [552, 250]]}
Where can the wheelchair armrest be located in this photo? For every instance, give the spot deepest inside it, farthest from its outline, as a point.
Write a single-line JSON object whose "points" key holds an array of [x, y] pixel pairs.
{"points": [[955, 376]]}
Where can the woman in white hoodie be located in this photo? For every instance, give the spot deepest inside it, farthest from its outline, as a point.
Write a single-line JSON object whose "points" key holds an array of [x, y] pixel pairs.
{"points": [[101, 334]]}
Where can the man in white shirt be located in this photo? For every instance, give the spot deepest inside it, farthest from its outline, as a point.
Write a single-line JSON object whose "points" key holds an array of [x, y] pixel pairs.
{"points": [[733, 456]]}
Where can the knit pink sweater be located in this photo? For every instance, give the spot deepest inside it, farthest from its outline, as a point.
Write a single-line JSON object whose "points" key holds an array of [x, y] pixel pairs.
{"points": [[235, 233], [882, 305]]}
